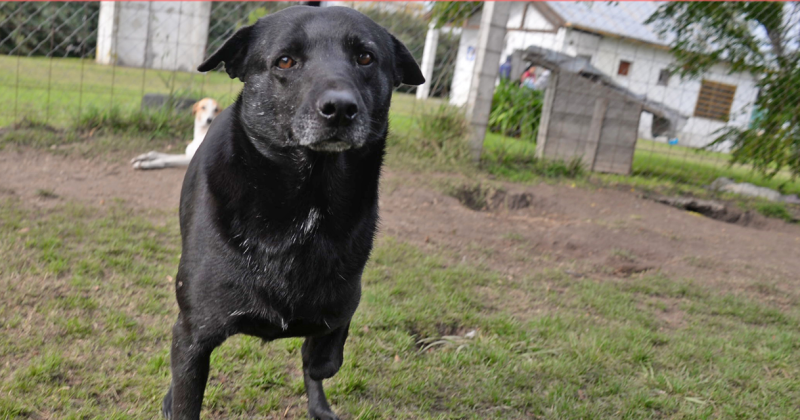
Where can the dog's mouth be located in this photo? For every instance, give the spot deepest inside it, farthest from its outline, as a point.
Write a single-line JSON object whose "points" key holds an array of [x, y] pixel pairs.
{"points": [[330, 146]]}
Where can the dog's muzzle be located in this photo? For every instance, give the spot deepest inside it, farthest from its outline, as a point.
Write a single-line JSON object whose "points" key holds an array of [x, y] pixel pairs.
{"points": [[333, 125]]}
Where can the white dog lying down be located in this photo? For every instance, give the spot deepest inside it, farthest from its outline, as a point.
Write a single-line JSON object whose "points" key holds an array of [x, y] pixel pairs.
{"points": [[204, 111]]}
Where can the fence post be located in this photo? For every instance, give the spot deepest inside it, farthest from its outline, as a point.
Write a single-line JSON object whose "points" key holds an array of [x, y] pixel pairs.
{"points": [[428, 61], [107, 25], [487, 62]]}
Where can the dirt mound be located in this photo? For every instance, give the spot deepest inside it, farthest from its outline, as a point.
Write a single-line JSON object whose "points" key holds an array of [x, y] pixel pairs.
{"points": [[481, 198]]}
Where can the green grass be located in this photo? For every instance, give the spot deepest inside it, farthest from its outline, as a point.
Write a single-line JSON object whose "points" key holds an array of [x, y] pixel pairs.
{"points": [[774, 210], [656, 166], [88, 306], [57, 91]]}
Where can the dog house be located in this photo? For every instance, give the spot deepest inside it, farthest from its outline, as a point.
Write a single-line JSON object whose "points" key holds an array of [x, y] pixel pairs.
{"points": [[587, 116]]}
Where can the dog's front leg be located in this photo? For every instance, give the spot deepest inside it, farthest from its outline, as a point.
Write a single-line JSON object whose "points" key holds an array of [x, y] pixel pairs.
{"points": [[322, 358], [190, 357]]}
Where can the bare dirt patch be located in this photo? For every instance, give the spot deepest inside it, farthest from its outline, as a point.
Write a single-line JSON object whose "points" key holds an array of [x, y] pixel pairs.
{"points": [[518, 230]]}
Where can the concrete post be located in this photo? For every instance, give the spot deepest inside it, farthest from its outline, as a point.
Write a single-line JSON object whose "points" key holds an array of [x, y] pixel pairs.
{"points": [[516, 65], [169, 35], [428, 61], [487, 62]]}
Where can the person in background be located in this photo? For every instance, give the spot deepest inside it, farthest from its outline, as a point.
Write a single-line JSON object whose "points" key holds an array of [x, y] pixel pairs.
{"points": [[541, 81], [505, 68], [528, 77]]}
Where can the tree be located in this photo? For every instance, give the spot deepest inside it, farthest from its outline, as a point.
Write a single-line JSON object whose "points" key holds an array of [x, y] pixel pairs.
{"points": [[52, 29], [761, 38]]}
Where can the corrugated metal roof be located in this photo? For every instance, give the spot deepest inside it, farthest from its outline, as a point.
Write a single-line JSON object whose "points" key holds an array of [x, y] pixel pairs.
{"points": [[624, 19]]}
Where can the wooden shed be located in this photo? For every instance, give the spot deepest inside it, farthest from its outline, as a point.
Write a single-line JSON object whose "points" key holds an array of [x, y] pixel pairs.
{"points": [[587, 116]]}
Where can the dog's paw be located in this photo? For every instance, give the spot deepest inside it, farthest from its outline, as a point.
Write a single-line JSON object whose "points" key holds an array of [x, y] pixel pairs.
{"points": [[144, 157], [321, 414], [166, 406], [149, 164]]}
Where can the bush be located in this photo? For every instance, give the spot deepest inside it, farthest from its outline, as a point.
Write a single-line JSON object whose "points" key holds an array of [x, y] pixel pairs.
{"points": [[516, 111]]}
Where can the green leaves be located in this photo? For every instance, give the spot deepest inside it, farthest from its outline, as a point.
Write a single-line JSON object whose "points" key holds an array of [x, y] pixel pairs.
{"points": [[516, 110], [454, 13]]}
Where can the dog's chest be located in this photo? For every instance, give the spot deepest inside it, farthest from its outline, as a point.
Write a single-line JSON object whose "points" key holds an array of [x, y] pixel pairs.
{"points": [[309, 259], [310, 287]]}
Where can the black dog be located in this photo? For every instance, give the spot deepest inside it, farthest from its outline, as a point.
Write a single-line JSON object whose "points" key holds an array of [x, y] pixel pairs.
{"points": [[279, 205]]}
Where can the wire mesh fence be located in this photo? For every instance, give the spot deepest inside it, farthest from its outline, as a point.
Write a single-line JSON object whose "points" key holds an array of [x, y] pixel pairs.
{"points": [[61, 61]]}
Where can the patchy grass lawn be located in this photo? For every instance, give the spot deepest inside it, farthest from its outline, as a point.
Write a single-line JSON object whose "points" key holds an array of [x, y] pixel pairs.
{"points": [[656, 166], [58, 90], [88, 305]]}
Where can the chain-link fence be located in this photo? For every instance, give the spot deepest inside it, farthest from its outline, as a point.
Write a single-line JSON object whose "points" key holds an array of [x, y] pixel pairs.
{"points": [[664, 91]]}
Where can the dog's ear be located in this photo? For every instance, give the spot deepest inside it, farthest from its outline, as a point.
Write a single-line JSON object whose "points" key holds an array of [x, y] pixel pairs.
{"points": [[232, 53], [196, 107], [406, 69]]}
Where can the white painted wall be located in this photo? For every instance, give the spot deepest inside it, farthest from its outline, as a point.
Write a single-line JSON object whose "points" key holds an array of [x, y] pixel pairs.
{"points": [[168, 35], [681, 94], [606, 53], [465, 63]]}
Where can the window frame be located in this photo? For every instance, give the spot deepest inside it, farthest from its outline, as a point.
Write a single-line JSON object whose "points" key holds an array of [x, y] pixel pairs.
{"points": [[715, 100]]}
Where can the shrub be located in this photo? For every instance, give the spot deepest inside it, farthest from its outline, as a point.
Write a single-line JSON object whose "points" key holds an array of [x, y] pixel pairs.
{"points": [[516, 110]]}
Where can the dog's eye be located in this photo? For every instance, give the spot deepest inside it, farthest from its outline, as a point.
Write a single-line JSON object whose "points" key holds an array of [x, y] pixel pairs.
{"points": [[364, 59], [285, 62]]}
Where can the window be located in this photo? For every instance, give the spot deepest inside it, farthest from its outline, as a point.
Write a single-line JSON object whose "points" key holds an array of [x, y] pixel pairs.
{"points": [[624, 68], [715, 100], [663, 77]]}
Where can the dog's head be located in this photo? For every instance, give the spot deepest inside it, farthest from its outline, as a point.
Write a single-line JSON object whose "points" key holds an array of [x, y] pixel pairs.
{"points": [[314, 77], [204, 111]]}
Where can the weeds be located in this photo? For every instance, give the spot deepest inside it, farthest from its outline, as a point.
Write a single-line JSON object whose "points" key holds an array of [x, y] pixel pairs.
{"points": [[159, 122], [443, 134], [775, 210]]}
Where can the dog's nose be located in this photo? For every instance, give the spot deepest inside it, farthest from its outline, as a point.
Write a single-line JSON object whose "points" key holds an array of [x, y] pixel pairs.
{"points": [[208, 121], [337, 106]]}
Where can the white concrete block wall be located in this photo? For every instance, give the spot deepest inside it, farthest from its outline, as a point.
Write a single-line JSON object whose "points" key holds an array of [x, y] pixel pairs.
{"points": [[158, 35], [179, 32], [465, 63], [132, 31]]}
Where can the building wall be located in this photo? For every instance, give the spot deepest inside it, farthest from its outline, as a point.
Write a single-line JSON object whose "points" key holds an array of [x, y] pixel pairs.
{"points": [[681, 94], [465, 63], [157, 35], [646, 60]]}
